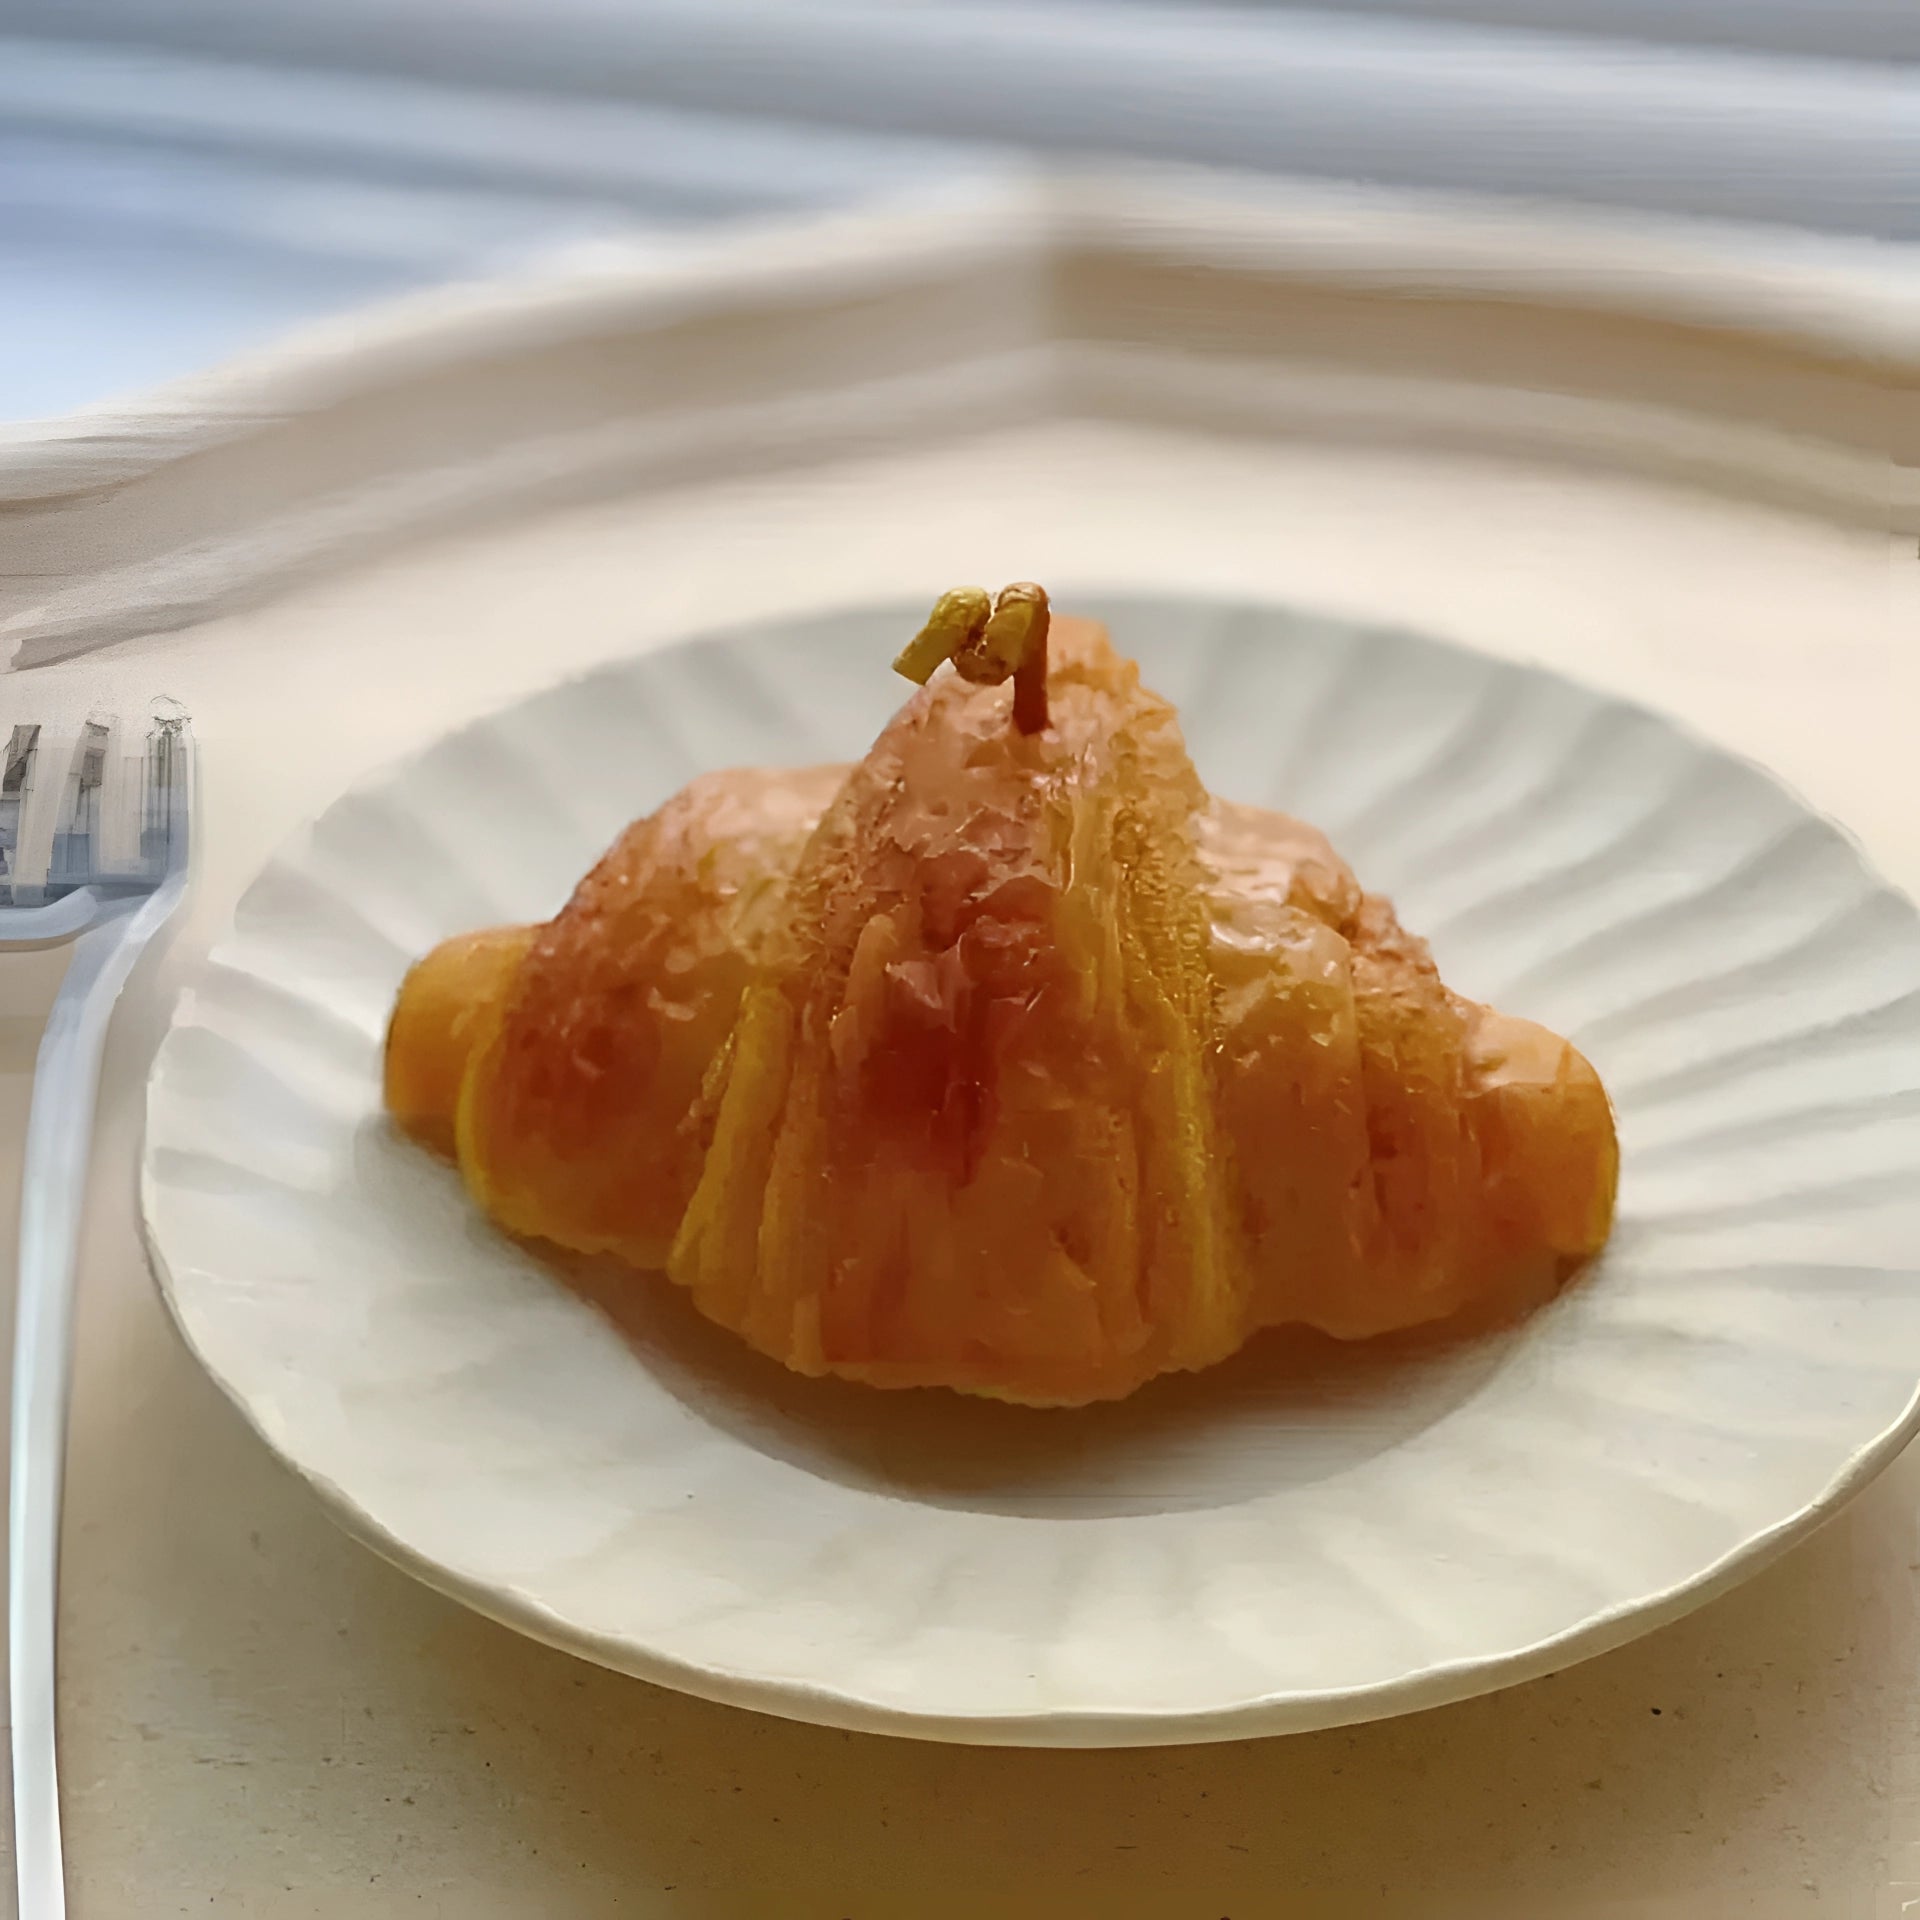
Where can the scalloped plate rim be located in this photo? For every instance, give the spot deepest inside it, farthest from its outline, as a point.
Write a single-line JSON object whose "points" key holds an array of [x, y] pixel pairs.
{"points": [[1292, 1710]]}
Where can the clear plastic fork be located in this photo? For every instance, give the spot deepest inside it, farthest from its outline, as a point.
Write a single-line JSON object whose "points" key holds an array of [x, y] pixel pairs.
{"points": [[94, 841]]}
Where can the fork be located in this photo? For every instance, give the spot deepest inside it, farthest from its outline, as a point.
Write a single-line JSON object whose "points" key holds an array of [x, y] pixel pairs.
{"points": [[93, 854]]}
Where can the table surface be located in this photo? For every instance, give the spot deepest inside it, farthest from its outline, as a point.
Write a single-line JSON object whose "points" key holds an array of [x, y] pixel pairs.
{"points": [[260, 1717]]}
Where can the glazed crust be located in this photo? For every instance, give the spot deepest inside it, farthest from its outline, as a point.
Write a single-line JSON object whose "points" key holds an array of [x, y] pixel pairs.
{"points": [[1007, 1062]]}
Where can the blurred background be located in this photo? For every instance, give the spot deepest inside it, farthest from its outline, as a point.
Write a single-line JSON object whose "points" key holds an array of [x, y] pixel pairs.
{"points": [[181, 180]]}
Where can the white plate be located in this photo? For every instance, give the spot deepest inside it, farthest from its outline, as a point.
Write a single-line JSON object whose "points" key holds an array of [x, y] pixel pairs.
{"points": [[1277, 1545]]}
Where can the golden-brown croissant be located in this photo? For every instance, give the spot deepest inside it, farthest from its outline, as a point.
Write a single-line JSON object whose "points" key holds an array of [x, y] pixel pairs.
{"points": [[1006, 1060]]}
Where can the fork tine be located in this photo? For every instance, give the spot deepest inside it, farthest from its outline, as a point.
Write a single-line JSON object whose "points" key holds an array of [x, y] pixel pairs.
{"points": [[77, 808]]}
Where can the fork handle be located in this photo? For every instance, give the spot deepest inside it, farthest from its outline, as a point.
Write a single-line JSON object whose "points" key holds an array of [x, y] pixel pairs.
{"points": [[66, 1082]]}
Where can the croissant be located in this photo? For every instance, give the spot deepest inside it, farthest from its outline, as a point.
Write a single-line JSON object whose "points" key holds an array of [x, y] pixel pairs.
{"points": [[1008, 1060]]}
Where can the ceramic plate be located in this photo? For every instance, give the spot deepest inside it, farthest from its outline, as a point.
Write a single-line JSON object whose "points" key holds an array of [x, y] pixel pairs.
{"points": [[1303, 1537]]}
